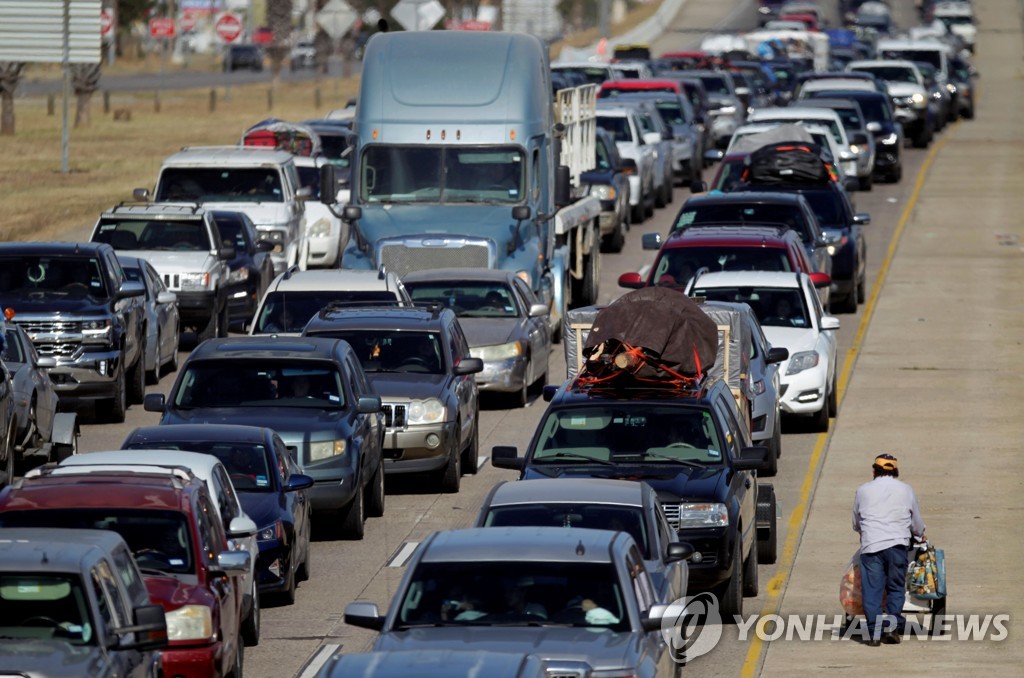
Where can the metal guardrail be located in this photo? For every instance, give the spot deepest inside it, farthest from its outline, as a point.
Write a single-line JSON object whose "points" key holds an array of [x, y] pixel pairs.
{"points": [[576, 110]]}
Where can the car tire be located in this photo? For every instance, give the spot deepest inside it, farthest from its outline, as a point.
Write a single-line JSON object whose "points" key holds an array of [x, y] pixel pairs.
{"points": [[897, 175], [118, 405], [224, 321], [153, 376], [750, 584], [375, 500], [861, 291], [649, 204], [471, 455], [848, 304], [867, 183], [521, 396], [450, 477], [616, 240], [10, 442], [731, 596], [968, 113], [288, 594], [251, 625], [921, 139], [767, 511], [833, 399], [211, 329], [137, 382], [660, 197], [774, 452], [819, 422], [305, 571], [353, 524]]}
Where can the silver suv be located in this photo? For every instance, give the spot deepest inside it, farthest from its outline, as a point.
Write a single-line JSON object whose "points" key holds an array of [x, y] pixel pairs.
{"points": [[184, 246]]}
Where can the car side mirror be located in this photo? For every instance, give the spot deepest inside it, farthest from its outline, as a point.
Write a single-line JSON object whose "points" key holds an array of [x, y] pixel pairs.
{"points": [[653, 620], [776, 354], [469, 366], [305, 193], [754, 458], [548, 392], [150, 629], [679, 550], [538, 310], [47, 362], [862, 218], [298, 481], [563, 185], [227, 253], [131, 289], [820, 280], [368, 404], [264, 246], [233, 563], [829, 322], [651, 241], [328, 178], [364, 615], [241, 527], [506, 457], [631, 281], [166, 298], [652, 137], [153, 402], [874, 127], [141, 194]]}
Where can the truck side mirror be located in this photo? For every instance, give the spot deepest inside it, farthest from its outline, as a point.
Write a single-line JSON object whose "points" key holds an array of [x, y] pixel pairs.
{"points": [[521, 212], [563, 186], [327, 180], [352, 213], [141, 194]]}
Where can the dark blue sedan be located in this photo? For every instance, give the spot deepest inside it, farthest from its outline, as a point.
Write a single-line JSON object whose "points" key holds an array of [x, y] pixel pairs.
{"points": [[271, 488]]}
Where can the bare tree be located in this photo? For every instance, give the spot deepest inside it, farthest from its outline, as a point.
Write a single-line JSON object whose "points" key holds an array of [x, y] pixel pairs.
{"points": [[85, 80], [279, 18], [10, 74]]}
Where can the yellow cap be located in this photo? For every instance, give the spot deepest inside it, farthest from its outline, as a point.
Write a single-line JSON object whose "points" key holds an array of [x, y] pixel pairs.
{"points": [[886, 462]]}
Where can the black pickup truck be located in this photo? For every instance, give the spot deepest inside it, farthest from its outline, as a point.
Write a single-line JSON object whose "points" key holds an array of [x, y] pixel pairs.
{"points": [[74, 302], [691, 448]]}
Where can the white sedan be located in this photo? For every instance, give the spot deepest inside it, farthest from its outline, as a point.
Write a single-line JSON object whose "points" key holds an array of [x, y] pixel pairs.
{"points": [[324, 234], [791, 316]]}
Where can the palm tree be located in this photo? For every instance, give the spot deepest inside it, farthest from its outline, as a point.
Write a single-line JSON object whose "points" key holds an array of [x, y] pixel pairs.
{"points": [[85, 80]]}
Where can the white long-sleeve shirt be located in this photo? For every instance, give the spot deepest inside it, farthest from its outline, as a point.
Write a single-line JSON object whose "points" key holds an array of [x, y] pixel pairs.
{"points": [[885, 513]]}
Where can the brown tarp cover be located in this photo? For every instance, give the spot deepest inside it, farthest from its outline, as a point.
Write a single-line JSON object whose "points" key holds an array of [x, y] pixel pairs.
{"points": [[664, 322]]}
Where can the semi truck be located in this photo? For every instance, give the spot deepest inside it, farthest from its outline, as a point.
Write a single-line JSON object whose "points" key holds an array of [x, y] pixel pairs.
{"points": [[465, 158]]}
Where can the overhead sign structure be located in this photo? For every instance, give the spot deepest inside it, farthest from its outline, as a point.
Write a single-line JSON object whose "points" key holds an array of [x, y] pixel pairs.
{"points": [[336, 17], [161, 27], [418, 15], [228, 27], [34, 32]]}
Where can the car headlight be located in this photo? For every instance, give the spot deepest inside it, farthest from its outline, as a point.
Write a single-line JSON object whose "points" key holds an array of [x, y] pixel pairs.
{"points": [[804, 360], [951, 88], [498, 351], [890, 139], [190, 622], [321, 228], [325, 449], [427, 411], [239, 274], [275, 531], [195, 280], [855, 149], [96, 331], [918, 100], [603, 192], [703, 515]]}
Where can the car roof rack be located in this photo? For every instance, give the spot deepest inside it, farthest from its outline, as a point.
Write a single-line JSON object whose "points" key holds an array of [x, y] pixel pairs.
{"points": [[177, 473], [189, 205], [435, 307]]}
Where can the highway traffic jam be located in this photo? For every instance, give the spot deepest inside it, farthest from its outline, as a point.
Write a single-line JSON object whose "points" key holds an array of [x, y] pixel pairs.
{"points": [[315, 329]]}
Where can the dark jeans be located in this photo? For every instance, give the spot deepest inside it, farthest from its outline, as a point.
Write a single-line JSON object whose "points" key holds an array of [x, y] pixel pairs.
{"points": [[884, 571]]}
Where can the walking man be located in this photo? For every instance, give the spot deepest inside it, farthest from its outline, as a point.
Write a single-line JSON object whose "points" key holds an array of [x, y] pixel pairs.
{"points": [[885, 514]]}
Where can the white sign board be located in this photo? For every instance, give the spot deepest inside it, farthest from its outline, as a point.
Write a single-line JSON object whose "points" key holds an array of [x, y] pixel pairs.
{"points": [[336, 17], [418, 15], [33, 31]]}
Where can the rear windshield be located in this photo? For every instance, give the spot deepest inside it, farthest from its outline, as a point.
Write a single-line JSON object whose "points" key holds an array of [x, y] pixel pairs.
{"points": [[290, 311], [774, 307], [256, 383], [467, 299], [714, 84], [746, 213], [394, 350], [563, 514], [677, 265], [219, 184], [159, 234], [248, 464], [618, 127]]}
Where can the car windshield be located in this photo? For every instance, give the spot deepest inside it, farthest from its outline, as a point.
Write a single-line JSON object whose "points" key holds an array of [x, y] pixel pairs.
{"points": [[729, 174], [271, 383], [37, 606], [467, 299], [443, 174], [616, 126], [157, 234], [874, 108], [614, 432], [715, 84], [675, 266], [394, 350], [514, 593], [60, 275], [774, 307], [833, 125], [248, 464], [746, 213], [933, 57], [160, 540], [827, 206], [231, 230], [892, 73], [219, 184], [850, 119], [603, 161], [290, 311], [671, 112], [563, 514]]}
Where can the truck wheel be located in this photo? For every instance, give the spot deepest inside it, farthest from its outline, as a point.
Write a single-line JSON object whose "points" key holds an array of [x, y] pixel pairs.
{"points": [[616, 240], [767, 511], [353, 517], [750, 587], [584, 292], [137, 382], [375, 500], [119, 403], [731, 597]]}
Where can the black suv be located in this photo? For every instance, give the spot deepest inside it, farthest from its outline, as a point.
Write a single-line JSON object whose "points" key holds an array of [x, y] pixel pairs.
{"points": [[418, 359], [691, 447], [76, 305]]}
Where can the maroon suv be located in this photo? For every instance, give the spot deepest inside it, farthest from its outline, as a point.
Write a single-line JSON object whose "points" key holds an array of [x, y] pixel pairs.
{"points": [[709, 248], [174, 531]]}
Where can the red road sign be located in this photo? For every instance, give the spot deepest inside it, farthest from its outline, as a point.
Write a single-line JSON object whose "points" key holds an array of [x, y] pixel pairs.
{"points": [[188, 21], [106, 21], [228, 27], [161, 28]]}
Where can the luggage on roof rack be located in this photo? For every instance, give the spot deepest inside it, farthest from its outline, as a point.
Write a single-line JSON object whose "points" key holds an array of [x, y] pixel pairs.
{"points": [[786, 163]]}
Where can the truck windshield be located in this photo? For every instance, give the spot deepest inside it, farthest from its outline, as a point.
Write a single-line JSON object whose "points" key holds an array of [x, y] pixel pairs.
{"points": [[774, 307], [271, 383], [514, 593], [219, 184], [44, 606], [444, 174], [159, 234], [58, 274], [649, 433]]}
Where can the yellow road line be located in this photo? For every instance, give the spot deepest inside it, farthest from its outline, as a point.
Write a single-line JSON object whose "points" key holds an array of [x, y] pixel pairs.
{"points": [[799, 515]]}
